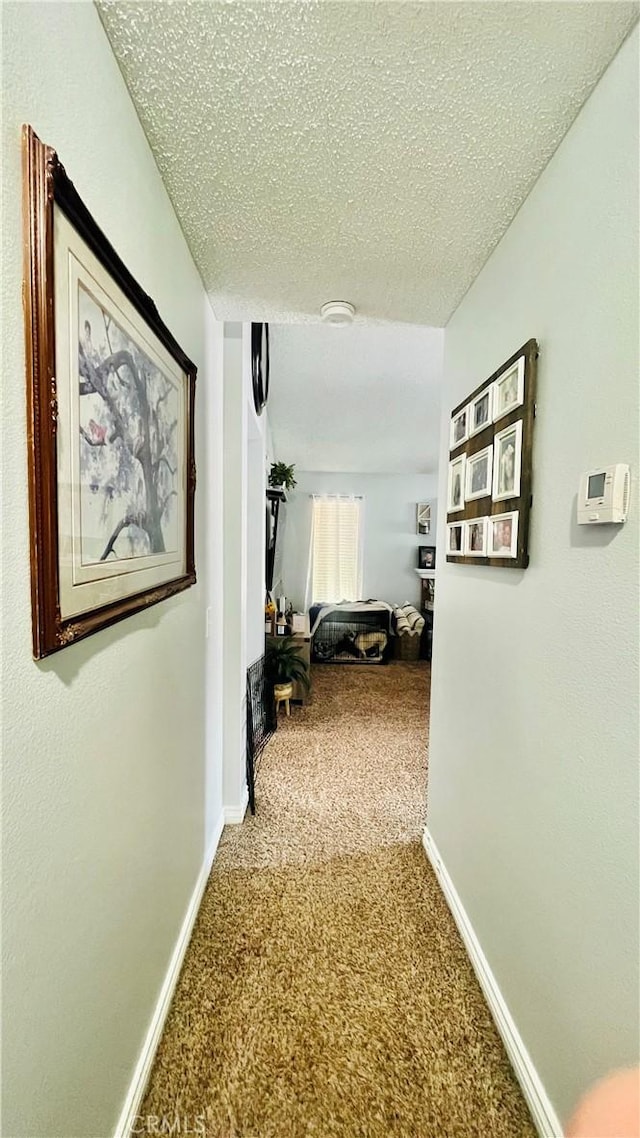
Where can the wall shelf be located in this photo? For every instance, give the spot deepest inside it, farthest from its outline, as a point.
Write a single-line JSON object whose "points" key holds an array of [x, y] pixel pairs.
{"points": [[426, 574], [274, 495]]}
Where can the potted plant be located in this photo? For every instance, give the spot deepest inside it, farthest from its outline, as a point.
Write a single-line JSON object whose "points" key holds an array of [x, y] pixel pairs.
{"points": [[284, 666], [281, 476]]}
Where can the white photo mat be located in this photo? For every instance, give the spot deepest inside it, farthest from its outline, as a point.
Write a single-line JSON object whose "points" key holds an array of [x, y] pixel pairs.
{"points": [[475, 537], [455, 538], [478, 474], [459, 428], [456, 484], [502, 540], [89, 584], [507, 462], [508, 390], [481, 411]]}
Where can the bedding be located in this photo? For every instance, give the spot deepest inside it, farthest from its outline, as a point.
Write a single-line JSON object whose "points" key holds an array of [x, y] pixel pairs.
{"points": [[320, 612]]}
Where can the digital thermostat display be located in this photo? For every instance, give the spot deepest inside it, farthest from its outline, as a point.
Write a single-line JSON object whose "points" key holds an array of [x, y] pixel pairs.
{"points": [[596, 485]]}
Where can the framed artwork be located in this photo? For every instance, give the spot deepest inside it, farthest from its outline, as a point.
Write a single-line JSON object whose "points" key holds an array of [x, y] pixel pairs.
{"points": [[454, 537], [426, 557], [507, 462], [455, 497], [498, 477], [503, 535], [478, 474], [481, 412], [423, 518], [110, 398], [508, 389], [459, 432], [475, 538]]}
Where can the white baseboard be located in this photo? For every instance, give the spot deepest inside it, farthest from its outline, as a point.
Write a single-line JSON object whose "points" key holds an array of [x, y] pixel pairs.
{"points": [[233, 815], [538, 1101], [135, 1094]]}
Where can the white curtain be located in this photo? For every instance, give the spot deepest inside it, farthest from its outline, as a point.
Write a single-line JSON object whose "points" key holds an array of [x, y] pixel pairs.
{"points": [[336, 549]]}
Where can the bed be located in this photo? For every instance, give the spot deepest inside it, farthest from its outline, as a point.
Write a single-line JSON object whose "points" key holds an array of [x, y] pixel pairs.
{"points": [[357, 632]]}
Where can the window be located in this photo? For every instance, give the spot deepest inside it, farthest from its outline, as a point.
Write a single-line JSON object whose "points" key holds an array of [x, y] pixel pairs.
{"points": [[336, 548]]}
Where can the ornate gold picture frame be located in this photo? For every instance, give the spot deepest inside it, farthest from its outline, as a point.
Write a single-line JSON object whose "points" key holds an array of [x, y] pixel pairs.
{"points": [[110, 403]]}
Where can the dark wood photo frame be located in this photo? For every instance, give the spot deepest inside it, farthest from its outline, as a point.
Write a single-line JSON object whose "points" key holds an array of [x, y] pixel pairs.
{"points": [[426, 557], [144, 460], [517, 507]]}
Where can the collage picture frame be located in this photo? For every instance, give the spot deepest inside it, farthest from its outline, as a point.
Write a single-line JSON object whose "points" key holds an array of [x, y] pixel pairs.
{"points": [[490, 467]]}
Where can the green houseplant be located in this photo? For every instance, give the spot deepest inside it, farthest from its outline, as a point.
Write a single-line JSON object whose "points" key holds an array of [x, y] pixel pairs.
{"points": [[284, 665], [282, 475]]}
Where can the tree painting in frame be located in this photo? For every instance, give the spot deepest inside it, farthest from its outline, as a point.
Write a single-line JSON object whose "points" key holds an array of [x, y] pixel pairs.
{"points": [[111, 423]]}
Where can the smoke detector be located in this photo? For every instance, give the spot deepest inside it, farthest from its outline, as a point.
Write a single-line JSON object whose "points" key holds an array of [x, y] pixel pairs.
{"points": [[337, 312]]}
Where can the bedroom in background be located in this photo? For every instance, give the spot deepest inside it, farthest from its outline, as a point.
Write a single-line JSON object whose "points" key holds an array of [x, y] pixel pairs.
{"points": [[355, 410], [350, 564]]}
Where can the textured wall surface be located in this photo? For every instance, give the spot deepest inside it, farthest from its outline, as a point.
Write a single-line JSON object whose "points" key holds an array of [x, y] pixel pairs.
{"points": [[533, 791], [365, 399], [390, 538], [103, 744], [369, 152]]}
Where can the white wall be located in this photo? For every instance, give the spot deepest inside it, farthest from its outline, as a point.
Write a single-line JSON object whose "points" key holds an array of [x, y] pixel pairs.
{"points": [[246, 436], [363, 398], [390, 538], [211, 482], [233, 601], [533, 792], [256, 583], [108, 800]]}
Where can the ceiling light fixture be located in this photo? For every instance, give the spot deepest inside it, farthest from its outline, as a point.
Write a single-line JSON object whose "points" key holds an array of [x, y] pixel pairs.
{"points": [[337, 312]]}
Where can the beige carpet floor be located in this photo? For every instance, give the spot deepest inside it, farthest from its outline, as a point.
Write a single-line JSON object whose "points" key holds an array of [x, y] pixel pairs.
{"points": [[326, 990]]}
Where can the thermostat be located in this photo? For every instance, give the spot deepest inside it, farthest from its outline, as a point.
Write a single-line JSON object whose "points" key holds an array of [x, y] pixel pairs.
{"points": [[604, 495]]}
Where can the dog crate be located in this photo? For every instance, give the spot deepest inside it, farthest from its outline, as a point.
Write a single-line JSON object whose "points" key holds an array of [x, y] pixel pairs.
{"points": [[352, 638]]}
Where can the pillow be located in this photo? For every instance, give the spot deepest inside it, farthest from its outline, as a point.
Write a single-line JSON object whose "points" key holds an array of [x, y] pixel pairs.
{"points": [[409, 621]]}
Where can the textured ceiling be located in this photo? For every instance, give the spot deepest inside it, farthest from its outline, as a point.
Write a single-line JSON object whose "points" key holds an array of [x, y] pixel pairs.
{"points": [[367, 151], [361, 399]]}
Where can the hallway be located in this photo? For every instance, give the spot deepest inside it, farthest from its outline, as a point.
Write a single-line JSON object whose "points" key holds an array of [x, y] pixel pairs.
{"points": [[325, 990]]}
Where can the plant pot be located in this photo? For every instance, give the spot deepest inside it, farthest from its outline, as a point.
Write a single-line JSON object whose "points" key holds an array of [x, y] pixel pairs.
{"points": [[283, 691]]}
